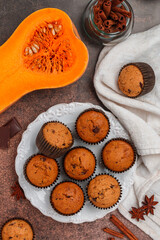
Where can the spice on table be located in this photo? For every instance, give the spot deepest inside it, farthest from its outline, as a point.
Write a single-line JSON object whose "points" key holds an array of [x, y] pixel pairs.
{"points": [[137, 213], [148, 205], [114, 233], [122, 227], [107, 10], [17, 191]]}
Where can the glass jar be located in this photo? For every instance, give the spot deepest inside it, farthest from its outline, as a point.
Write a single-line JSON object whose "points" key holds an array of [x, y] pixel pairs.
{"points": [[101, 37]]}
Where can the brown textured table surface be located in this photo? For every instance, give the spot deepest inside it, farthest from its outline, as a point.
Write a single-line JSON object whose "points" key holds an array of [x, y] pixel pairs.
{"points": [[12, 12]]}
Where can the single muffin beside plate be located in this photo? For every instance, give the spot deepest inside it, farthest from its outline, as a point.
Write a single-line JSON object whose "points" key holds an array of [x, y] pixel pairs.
{"points": [[18, 229], [136, 79]]}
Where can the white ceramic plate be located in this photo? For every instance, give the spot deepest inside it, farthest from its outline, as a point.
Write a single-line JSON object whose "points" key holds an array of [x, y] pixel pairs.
{"points": [[68, 113]]}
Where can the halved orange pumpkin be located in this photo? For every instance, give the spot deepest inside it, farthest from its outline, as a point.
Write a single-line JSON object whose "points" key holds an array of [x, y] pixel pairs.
{"points": [[43, 52]]}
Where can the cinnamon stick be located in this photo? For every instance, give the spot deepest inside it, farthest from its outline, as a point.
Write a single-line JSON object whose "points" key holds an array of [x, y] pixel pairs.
{"points": [[102, 15], [122, 11], [98, 18], [122, 227], [96, 9], [107, 30], [113, 16], [107, 8], [101, 27], [98, 22], [116, 2], [114, 233], [111, 238], [121, 26], [109, 23], [120, 17], [100, 3]]}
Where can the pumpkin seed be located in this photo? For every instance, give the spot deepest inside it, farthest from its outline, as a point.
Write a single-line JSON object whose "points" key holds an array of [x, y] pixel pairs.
{"points": [[50, 25], [34, 49], [53, 32], [30, 52], [26, 51], [58, 28], [44, 30], [36, 46]]}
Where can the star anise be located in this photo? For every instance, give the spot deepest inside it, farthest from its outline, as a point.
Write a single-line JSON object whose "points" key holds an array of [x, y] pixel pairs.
{"points": [[149, 204], [137, 213], [17, 191]]}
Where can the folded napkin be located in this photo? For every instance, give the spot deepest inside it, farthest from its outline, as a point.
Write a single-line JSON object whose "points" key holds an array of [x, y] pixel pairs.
{"points": [[140, 116]]}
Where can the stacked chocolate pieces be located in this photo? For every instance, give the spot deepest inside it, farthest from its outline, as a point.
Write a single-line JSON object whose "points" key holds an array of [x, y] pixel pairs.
{"points": [[7, 131], [109, 16]]}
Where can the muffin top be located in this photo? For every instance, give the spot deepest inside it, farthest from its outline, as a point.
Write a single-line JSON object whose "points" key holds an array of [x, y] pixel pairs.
{"points": [[104, 191], [17, 229], [92, 126], [67, 198], [41, 171], [79, 163], [57, 134], [118, 155], [131, 81]]}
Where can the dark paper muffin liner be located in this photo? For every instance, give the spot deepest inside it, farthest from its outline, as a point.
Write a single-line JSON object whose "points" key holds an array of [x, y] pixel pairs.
{"points": [[60, 212], [97, 110], [17, 218], [134, 150], [77, 180], [100, 174], [27, 179], [46, 148], [148, 77]]}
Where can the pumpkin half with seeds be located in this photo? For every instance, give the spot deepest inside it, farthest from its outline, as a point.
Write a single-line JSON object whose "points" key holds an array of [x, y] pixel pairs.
{"points": [[44, 52]]}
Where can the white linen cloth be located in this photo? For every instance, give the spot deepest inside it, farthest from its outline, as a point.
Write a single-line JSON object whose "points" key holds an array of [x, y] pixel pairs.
{"points": [[140, 116]]}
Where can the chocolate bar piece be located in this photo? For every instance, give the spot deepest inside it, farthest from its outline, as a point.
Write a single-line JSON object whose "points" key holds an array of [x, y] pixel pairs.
{"points": [[4, 136], [14, 126]]}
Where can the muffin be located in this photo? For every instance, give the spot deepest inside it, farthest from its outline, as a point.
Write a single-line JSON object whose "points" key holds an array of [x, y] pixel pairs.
{"points": [[79, 163], [104, 191], [17, 229], [118, 155], [136, 79], [54, 139], [92, 126], [41, 171], [67, 198]]}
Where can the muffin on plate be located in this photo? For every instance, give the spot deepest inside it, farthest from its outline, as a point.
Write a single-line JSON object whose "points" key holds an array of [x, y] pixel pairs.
{"points": [[104, 191], [41, 171], [79, 163], [67, 198], [136, 79], [17, 229], [54, 139], [118, 155], [92, 126]]}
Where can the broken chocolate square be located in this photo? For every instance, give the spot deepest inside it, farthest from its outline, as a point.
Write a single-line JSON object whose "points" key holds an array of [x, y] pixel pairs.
{"points": [[14, 126], [4, 137]]}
